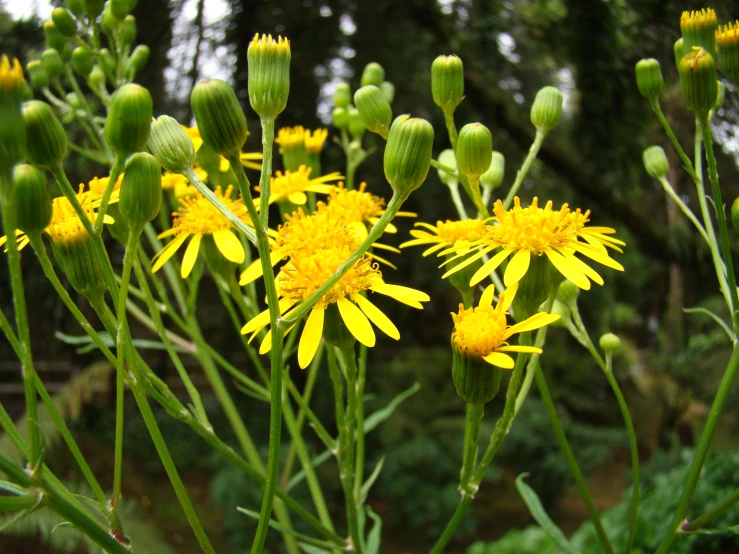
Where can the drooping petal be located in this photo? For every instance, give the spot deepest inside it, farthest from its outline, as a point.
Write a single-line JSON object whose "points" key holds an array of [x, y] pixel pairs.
{"points": [[487, 296], [399, 292], [167, 252], [582, 266], [469, 261], [507, 297], [593, 254], [266, 345], [489, 266], [433, 249], [191, 255], [254, 271], [534, 322], [568, 269], [311, 337], [517, 267], [298, 198], [356, 322], [261, 320], [500, 360], [386, 247], [377, 317], [229, 245], [521, 348]]}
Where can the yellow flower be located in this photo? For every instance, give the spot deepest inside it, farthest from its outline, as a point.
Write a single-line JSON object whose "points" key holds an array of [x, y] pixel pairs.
{"points": [[728, 35], [11, 75], [697, 19], [248, 159], [173, 181], [483, 332], [534, 231], [196, 217], [292, 185], [303, 275], [314, 142], [445, 234], [98, 185], [290, 137]]}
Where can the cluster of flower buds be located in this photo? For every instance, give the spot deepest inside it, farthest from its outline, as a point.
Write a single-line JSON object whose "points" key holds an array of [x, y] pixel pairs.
{"points": [[371, 110]]}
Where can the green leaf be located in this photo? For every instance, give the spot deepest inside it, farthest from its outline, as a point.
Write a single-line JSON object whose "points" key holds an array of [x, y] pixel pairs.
{"points": [[374, 537], [540, 515], [733, 530], [371, 480], [713, 316], [86, 344], [308, 549], [282, 529]]}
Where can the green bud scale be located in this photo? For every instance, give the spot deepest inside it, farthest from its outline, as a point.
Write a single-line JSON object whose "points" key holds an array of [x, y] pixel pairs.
{"points": [[374, 109], [546, 110], [474, 150], [493, 177], [46, 141], [129, 120], [79, 260], [408, 154], [64, 21], [170, 145], [655, 162], [342, 95], [447, 82], [269, 75], [476, 381], [698, 81], [32, 199], [141, 191], [373, 74], [649, 78], [220, 119]]}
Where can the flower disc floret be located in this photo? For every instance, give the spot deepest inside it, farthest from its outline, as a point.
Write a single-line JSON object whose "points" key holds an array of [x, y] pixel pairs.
{"points": [[292, 185], [314, 141], [291, 137]]}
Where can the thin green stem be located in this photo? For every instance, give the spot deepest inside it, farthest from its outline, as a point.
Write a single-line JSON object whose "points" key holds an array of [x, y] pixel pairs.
{"points": [[713, 513], [451, 128], [445, 168], [115, 172], [359, 463], [521, 175], [170, 273], [687, 211], [675, 143], [477, 198], [473, 419]]}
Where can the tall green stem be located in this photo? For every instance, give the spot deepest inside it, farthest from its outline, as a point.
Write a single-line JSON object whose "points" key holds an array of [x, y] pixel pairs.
{"points": [[451, 128], [521, 175], [115, 172], [473, 420], [359, 464]]}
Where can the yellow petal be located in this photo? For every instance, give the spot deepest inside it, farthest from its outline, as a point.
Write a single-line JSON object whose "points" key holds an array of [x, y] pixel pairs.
{"points": [[593, 254], [391, 229], [386, 247], [356, 322], [433, 249], [262, 319], [520, 348], [398, 292], [507, 296], [489, 266], [383, 260], [167, 252], [251, 273], [191, 255], [585, 268], [411, 303], [534, 322], [517, 267], [311, 337], [359, 228], [499, 359], [225, 164], [376, 316], [298, 198], [229, 245], [568, 269], [469, 261], [487, 296], [266, 345]]}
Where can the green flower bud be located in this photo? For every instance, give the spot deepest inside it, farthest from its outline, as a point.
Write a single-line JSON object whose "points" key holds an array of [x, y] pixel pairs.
{"points": [[120, 8], [564, 313], [109, 22], [735, 215], [138, 59], [269, 75], [388, 89], [474, 150], [449, 159], [93, 8], [64, 21], [46, 141], [32, 199], [119, 228], [170, 145], [373, 74], [342, 95], [720, 96], [698, 81], [77, 256], [678, 50], [610, 342], [54, 39], [76, 7], [12, 129], [73, 100], [53, 63], [728, 50], [128, 30], [129, 120], [82, 61], [37, 73], [220, 119], [354, 122], [141, 191], [476, 381], [699, 29], [649, 78], [408, 154], [568, 293], [655, 162], [493, 177], [96, 79], [546, 109], [534, 287], [374, 109], [340, 118], [107, 61], [447, 82]]}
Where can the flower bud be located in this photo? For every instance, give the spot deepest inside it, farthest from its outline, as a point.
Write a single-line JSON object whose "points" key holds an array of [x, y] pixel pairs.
{"points": [[476, 381], [699, 29], [107, 61], [720, 96], [649, 78], [129, 120], [73, 100], [342, 95], [493, 177], [354, 122], [655, 162], [535, 286], [12, 129], [138, 59], [340, 118], [93, 8], [170, 145], [54, 39], [64, 21], [447, 82], [373, 74], [220, 119], [449, 159], [610, 342], [37, 74], [141, 191], [388, 89], [374, 109], [735, 215], [120, 8], [564, 313], [728, 50], [408, 154], [678, 51], [76, 7], [269, 75], [32, 199], [96, 79], [128, 30], [568, 293], [698, 81], [53, 63], [82, 61], [77, 256], [109, 23], [46, 141], [474, 150], [546, 109]]}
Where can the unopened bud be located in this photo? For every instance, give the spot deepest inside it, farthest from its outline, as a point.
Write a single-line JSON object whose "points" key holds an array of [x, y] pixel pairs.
{"points": [[46, 141], [12, 128], [141, 191], [107, 61], [698, 81], [32, 199], [269, 75], [64, 21], [340, 118], [53, 63], [448, 159], [93, 8], [221, 121], [447, 82], [37, 74], [138, 59], [699, 29], [128, 30], [82, 61], [76, 7], [568, 293], [170, 145], [728, 50], [96, 78], [408, 154], [610, 342], [54, 38], [655, 162], [109, 23], [649, 78], [129, 120], [388, 89], [120, 8], [374, 109], [73, 100], [493, 177], [342, 95], [474, 150], [546, 110], [678, 51], [475, 380], [373, 74], [354, 122]]}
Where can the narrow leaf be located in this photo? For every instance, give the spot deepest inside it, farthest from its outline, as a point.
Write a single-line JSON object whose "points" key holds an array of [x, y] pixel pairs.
{"points": [[374, 537], [713, 316], [371, 480], [282, 529]]}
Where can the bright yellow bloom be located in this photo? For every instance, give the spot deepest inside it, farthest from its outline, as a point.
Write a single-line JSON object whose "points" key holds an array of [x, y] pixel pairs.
{"points": [[98, 185], [445, 234], [483, 332], [11, 75], [248, 159], [292, 185], [172, 181], [314, 142], [697, 19], [291, 137], [728, 35], [534, 231], [196, 217], [303, 275]]}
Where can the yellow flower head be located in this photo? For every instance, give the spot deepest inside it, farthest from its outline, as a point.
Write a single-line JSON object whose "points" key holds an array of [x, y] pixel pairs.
{"points": [[196, 217], [728, 35], [266, 45], [355, 206], [11, 76], [97, 188], [292, 185], [291, 137], [483, 332], [446, 234], [697, 20], [534, 231], [303, 275], [314, 142]]}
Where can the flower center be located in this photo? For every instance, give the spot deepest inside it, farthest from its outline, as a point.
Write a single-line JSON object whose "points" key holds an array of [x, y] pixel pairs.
{"points": [[303, 234], [478, 331], [465, 230], [197, 216], [353, 205], [285, 184]]}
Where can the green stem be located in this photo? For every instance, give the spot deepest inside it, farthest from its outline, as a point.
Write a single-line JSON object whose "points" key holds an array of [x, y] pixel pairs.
{"points": [[675, 143], [318, 427], [445, 168], [530, 157], [713, 513], [115, 172], [359, 469], [171, 274], [451, 128], [473, 420], [687, 211], [477, 198], [571, 462]]}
